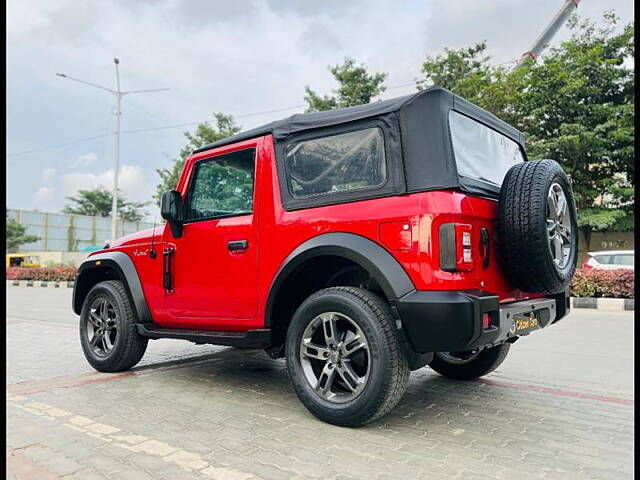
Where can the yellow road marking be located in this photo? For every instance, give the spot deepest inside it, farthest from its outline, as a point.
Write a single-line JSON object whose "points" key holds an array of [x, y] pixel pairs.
{"points": [[184, 459]]}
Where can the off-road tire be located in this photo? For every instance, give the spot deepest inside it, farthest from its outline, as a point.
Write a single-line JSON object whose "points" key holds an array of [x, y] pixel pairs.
{"points": [[523, 249], [129, 346], [486, 362], [389, 374]]}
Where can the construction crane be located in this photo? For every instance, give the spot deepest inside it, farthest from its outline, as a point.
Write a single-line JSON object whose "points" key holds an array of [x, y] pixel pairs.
{"points": [[548, 33]]}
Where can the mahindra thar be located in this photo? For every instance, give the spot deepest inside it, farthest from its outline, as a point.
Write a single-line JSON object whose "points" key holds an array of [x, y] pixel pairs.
{"points": [[359, 244]]}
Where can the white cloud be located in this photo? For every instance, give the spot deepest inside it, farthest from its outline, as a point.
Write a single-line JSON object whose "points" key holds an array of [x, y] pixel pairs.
{"points": [[215, 55], [83, 160], [43, 197], [47, 176], [131, 182]]}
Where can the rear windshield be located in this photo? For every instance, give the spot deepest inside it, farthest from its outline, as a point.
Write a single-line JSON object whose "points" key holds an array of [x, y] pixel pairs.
{"points": [[481, 153]]}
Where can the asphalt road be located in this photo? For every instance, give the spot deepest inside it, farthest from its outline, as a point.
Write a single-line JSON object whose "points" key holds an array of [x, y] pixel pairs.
{"points": [[560, 406]]}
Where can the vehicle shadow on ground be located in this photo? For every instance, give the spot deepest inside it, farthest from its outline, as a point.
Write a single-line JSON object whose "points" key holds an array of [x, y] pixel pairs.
{"points": [[430, 399]]}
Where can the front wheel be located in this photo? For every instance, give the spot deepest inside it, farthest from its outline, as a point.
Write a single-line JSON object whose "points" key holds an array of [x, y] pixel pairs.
{"points": [[469, 365], [343, 356], [108, 334]]}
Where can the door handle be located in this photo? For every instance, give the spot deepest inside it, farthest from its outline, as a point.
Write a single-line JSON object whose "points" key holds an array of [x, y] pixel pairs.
{"points": [[238, 245], [167, 277]]}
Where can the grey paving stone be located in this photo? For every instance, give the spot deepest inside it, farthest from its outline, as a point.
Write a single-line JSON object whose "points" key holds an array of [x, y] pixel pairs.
{"points": [[237, 411], [61, 465]]}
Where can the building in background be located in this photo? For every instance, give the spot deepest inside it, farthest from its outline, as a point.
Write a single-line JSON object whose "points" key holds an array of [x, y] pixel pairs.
{"points": [[61, 232]]}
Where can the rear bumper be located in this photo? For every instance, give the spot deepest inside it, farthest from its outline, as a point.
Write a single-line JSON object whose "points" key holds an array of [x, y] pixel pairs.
{"points": [[451, 321]]}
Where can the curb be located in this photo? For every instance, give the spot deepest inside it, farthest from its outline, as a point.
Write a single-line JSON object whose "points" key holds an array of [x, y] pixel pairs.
{"points": [[39, 283], [603, 303]]}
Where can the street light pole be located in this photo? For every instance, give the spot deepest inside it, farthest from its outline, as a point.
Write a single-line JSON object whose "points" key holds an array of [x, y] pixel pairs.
{"points": [[116, 161]]}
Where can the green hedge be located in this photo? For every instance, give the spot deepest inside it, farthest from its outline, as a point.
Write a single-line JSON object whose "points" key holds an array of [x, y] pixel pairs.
{"points": [[603, 283], [50, 274], [586, 283]]}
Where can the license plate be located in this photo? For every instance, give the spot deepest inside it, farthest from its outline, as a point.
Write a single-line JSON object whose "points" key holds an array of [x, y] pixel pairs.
{"points": [[526, 322]]}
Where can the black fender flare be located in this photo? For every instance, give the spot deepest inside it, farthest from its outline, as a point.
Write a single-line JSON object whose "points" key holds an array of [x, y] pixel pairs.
{"points": [[380, 264], [122, 264]]}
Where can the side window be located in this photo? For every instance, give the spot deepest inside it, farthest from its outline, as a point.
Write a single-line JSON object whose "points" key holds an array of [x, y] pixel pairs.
{"points": [[603, 259], [623, 259], [222, 187], [337, 163]]}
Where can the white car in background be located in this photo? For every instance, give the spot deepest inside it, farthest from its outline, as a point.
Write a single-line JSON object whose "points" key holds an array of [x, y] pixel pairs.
{"points": [[610, 260]]}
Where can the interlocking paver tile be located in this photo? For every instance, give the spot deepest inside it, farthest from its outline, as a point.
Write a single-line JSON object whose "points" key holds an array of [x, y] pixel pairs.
{"points": [[231, 414]]}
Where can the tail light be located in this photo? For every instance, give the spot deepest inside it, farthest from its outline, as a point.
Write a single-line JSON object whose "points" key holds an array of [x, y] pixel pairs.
{"points": [[587, 265], [456, 253]]}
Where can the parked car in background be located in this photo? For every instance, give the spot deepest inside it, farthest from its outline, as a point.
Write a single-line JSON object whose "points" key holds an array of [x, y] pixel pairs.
{"points": [[610, 260]]}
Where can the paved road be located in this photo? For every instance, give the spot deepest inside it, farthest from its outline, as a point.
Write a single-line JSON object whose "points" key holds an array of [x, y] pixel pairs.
{"points": [[561, 406]]}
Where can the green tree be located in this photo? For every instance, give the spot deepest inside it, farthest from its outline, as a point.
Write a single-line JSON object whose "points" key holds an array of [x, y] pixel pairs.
{"points": [[575, 105], [16, 235], [466, 71], [98, 202], [357, 87], [203, 134], [578, 109]]}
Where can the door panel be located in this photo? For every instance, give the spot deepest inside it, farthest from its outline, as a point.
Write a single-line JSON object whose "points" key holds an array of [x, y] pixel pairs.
{"points": [[210, 280]]}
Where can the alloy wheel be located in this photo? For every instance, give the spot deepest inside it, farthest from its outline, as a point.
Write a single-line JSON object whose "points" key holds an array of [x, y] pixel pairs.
{"points": [[101, 326], [558, 226], [335, 357]]}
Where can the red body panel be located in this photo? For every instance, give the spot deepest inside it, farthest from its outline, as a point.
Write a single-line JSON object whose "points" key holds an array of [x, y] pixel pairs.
{"points": [[222, 290]]}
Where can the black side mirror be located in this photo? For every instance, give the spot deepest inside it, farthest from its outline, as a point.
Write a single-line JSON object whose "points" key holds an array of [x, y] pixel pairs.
{"points": [[171, 211]]}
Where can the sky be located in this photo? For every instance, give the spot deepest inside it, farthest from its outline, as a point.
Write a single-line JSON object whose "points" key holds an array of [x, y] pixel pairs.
{"points": [[251, 59]]}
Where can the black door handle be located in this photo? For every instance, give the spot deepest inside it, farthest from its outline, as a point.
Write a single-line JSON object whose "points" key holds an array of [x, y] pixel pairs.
{"points": [[237, 245], [167, 277]]}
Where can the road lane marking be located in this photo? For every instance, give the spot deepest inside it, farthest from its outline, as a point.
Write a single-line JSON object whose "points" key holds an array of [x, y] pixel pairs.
{"points": [[33, 321], [557, 391], [28, 387], [66, 381], [184, 459]]}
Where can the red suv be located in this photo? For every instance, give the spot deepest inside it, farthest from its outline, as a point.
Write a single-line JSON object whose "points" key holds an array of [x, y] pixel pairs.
{"points": [[359, 244]]}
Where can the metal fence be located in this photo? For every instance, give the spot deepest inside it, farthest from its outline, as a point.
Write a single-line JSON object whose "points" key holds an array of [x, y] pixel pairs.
{"points": [[69, 233]]}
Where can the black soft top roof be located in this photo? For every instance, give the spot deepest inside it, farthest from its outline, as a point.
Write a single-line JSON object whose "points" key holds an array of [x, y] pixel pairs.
{"points": [[301, 122], [418, 143]]}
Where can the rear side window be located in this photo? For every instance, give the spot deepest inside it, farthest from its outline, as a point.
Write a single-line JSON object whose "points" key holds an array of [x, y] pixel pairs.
{"points": [[337, 163], [481, 153], [623, 259]]}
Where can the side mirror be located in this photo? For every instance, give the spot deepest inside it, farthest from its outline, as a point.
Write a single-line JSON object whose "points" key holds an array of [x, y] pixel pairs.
{"points": [[171, 211]]}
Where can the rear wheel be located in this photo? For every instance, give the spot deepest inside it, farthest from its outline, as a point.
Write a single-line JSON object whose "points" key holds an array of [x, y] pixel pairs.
{"points": [[343, 356], [108, 334], [469, 365]]}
